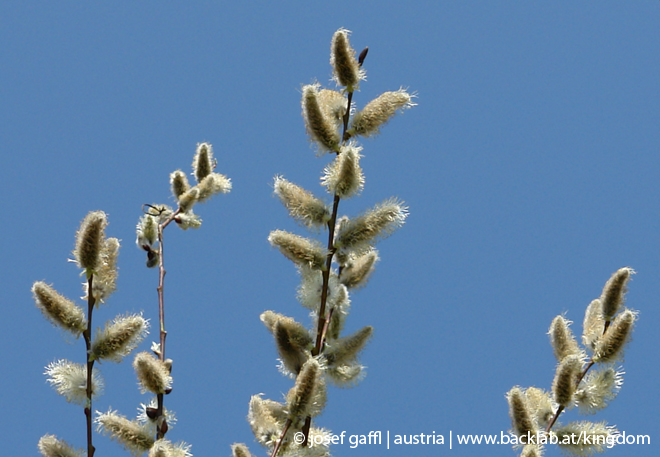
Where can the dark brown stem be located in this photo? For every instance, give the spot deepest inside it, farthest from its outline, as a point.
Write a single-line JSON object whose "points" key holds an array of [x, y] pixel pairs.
{"points": [[87, 334]]}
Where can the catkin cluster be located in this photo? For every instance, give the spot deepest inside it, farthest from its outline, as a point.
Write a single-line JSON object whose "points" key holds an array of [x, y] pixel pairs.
{"points": [[81, 383], [329, 271], [586, 378]]}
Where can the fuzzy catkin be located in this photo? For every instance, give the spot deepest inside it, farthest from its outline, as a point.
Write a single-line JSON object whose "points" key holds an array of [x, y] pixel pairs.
{"points": [[89, 240], [58, 309], [610, 346], [521, 415], [614, 292]]}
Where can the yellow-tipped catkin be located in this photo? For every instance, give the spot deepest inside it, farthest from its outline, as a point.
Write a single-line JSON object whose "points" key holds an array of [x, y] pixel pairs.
{"points": [[152, 373], [593, 325], [306, 398], [522, 418], [598, 388], [609, 347], [240, 450], [70, 380], [179, 183], [343, 177], [357, 269], [58, 309], [614, 292], [105, 278], [378, 112], [165, 448], [203, 162], [321, 130], [346, 69], [147, 231], [564, 384], [188, 220], [358, 235], [532, 450], [299, 250], [119, 338], [348, 348], [561, 338], [266, 418], [89, 240], [188, 200], [211, 185], [302, 205], [51, 446], [334, 106], [584, 438], [540, 403], [135, 437]]}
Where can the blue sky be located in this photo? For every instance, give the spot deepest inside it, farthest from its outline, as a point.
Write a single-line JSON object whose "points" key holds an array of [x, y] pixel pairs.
{"points": [[530, 167]]}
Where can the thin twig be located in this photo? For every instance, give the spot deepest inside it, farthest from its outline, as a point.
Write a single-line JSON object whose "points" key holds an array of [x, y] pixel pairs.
{"points": [[87, 334], [282, 436], [161, 428]]}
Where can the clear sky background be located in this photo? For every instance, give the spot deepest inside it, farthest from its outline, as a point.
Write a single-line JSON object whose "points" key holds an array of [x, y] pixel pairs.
{"points": [[530, 167]]}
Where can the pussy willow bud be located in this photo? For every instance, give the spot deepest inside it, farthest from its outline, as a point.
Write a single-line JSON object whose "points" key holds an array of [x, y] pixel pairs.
{"points": [[609, 347], [211, 185], [59, 310], [348, 348], [598, 388], [240, 450], [188, 220], [520, 412], [301, 204], [593, 325], [614, 292], [357, 270], [165, 448], [561, 338], [583, 438], [89, 240], [152, 374], [266, 418], [541, 405], [135, 437], [531, 450], [292, 341], [320, 129], [188, 200], [564, 384], [147, 231], [119, 338], [346, 68], [378, 112], [343, 176], [179, 183], [334, 105], [203, 162], [105, 278], [70, 380], [306, 398], [299, 250], [358, 235], [51, 446]]}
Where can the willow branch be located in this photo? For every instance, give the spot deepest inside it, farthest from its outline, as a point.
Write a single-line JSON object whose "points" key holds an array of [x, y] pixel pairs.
{"points": [[87, 334]]}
